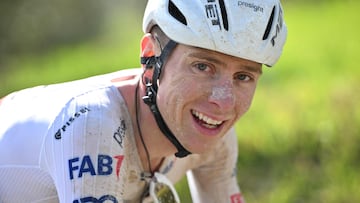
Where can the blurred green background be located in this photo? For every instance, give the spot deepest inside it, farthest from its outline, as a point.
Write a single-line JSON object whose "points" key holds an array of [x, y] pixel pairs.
{"points": [[300, 141]]}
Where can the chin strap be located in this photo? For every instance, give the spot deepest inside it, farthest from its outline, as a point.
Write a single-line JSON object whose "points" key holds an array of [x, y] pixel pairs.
{"points": [[151, 92]]}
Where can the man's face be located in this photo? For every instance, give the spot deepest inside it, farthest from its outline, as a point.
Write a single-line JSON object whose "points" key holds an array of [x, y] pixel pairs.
{"points": [[203, 93]]}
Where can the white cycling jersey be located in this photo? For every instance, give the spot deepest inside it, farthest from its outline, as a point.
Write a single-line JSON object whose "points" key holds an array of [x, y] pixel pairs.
{"points": [[74, 142]]}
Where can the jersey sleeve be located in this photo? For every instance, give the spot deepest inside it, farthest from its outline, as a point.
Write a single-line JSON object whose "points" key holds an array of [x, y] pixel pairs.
{"points": [[215, 179], [82, 152]]}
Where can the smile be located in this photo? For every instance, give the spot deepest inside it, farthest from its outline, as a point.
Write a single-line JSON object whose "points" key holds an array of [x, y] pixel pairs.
{"points": [[206, 121]]}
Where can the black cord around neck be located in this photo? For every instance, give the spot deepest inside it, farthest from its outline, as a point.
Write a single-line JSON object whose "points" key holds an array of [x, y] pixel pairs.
{"points": [[138, 126]]}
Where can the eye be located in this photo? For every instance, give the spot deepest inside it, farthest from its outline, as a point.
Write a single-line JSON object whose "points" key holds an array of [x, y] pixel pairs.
{"points": [[243, 77], [201, 66]]}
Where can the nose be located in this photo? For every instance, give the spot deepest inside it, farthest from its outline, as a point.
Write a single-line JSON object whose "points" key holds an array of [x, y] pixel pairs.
{"points": [[223, 95]]}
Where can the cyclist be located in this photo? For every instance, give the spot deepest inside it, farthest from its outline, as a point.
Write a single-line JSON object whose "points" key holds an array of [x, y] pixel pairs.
{"points": [[128, 136]]}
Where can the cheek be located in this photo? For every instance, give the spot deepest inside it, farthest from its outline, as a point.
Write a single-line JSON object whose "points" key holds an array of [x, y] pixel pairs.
{"points": [[244, 100], [173, 100], [180, 90], [177, 98], [173, 96]]}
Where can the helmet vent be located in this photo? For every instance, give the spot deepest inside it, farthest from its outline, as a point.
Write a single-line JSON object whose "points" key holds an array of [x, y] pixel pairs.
{"points": [[176, 13], [224, 15], [269, 25]]}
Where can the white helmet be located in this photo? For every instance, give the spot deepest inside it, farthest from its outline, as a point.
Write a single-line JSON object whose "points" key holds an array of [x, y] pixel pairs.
{"points": [[248, 29]]}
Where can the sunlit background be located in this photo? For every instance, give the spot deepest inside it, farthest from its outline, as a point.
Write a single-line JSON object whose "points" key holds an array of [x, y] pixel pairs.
{"points": [[300, 141]]}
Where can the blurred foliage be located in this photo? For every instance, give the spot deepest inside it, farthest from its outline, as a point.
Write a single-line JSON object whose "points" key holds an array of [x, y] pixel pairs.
{"points": [[64, 40], [300, 140], [36, 25], [39, 26]]}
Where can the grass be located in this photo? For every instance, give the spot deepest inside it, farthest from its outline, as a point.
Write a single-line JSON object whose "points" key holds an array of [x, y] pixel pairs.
{"points": [[299, 141]]}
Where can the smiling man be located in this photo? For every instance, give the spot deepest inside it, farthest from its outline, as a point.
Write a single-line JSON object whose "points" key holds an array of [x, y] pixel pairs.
{"points": [[128, 136]]}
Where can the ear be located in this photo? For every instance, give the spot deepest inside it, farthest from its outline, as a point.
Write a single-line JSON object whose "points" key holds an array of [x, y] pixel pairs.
{"points": [[147, 50], [147, 45]]}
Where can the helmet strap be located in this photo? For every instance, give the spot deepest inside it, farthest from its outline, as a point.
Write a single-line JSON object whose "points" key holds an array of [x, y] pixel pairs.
{"points": [[151, 92]]}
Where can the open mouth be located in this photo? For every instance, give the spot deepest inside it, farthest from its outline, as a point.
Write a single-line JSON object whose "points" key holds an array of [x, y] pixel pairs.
{"points": [[206, 121]]}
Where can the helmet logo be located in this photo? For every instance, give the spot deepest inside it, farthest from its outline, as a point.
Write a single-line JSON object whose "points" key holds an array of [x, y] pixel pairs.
{"points": [[279, 26], [213, 14], [256, 8]]}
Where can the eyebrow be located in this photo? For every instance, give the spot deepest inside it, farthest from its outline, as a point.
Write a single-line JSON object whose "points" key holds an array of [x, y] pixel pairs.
{"points": [[214, 60], [206, 57], [253, 69]]}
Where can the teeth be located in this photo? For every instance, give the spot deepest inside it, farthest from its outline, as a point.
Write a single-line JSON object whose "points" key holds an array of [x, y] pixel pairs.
{"points": [[206, 119]]}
